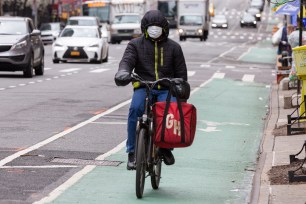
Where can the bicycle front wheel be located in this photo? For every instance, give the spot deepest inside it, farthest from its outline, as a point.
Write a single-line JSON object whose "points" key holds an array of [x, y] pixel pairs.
{"points": [[140, 163], [156, 173]]}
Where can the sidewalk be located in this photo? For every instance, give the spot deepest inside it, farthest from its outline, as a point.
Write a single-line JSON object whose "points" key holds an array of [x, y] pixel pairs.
{"points": [[275, 150]]}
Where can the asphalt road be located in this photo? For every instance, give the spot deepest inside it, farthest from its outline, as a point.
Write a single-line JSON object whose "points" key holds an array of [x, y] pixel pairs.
{"points": [[53, 117]]}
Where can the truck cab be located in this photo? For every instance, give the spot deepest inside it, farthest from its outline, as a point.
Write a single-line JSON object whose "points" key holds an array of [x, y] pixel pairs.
{"points": [[193, 19]]}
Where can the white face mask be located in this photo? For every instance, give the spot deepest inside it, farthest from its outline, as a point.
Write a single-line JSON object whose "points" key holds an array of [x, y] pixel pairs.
{"points": [[154, 31]]}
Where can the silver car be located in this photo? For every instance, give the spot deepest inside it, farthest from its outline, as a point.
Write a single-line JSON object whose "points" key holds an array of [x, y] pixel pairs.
{"points": [[21, 48]]}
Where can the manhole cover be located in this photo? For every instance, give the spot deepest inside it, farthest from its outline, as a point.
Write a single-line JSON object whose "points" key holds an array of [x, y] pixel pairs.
{"points": [[87, 162]]}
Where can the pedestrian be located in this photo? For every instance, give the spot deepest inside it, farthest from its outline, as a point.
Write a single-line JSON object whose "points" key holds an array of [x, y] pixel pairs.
{"points": [[152, 56], [283, 44]]}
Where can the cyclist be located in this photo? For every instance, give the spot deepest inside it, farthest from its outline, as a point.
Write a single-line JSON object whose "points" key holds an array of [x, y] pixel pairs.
{"points": [[152, 56]]}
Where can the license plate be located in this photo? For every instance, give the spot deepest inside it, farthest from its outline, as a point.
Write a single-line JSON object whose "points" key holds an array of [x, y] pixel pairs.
{"points": [[75, 53]]}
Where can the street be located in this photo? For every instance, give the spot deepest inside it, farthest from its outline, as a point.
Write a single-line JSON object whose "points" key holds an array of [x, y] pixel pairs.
{"points": [[53, 127]]}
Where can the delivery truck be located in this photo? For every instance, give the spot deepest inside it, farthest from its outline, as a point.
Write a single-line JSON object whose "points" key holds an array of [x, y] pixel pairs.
{"points": [[193, 19]]}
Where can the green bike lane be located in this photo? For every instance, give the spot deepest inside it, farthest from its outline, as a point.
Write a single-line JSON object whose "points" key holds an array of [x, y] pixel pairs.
{"points": [[217, 168]]}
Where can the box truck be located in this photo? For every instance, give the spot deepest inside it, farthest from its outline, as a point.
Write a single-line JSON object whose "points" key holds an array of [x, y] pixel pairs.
{"points": [[193, 19]]}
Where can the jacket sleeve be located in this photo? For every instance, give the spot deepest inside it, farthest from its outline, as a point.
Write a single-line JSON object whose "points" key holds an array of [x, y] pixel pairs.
{"points": [[180, 69], [126, 65]]}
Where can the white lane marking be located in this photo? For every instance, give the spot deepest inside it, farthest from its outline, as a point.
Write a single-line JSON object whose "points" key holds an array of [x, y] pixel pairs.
{"points": [[209, 129], [12, 87], [47, 68], [99, 70], [21, 84], [218, 75], [61, 134], [111, 123], [38, 167], [205, 65], [77, 176], [248, 78], [70, 70], [2, 89], [230, 67], [191, 73]]}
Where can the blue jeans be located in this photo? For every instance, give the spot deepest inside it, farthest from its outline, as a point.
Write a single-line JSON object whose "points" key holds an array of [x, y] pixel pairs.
{"points": [[136, 110]]}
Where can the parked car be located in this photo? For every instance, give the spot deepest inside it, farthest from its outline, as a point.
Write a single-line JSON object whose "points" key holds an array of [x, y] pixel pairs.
{"points": [[21, 48], [125, 27], [248, 19], [49, 32], [219, 21], [80, 44], [255, 12]]}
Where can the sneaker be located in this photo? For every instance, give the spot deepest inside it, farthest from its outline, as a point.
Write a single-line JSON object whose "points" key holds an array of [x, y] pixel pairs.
{"points": [[167, 155], [131, 161]]}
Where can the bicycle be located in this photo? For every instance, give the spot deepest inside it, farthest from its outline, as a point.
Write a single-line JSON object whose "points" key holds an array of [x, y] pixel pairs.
{"points": [[147, 158]]}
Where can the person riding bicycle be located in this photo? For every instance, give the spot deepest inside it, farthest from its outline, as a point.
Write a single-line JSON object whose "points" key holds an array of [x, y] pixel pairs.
{"points": [[151, 56]]}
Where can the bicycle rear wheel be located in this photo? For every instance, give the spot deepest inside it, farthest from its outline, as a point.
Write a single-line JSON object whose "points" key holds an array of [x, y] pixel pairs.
{"points": [[140, 163], [156, 173]]}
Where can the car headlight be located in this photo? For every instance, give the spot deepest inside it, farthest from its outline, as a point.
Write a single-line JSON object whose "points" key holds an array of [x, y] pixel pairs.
{"points": [[255, 22], [214, 25], [258, 15], [200, 31], [224, 25], [94, 45], [20, 45], [242, 21], [180, 30]]}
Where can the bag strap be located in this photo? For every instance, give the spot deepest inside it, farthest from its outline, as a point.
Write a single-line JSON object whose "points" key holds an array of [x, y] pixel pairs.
{"points": [[166, 113]]}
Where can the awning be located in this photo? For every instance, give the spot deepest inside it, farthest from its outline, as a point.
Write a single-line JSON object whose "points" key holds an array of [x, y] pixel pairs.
{"points": [[289, 8]]}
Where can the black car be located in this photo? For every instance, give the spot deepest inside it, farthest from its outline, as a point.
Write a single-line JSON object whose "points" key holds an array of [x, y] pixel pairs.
{"points": [[21, 48], [248, 19]]}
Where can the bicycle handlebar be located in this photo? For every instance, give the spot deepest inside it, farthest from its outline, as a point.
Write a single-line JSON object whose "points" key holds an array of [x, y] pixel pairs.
{"points": [[152, 84]]}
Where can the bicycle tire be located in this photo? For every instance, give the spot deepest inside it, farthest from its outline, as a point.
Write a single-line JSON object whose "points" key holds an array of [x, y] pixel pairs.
{"points": [[156, 174], [140, 163]]}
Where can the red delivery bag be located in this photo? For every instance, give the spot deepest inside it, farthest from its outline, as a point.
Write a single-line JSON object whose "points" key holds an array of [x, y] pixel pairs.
{"points": [[175, 124]]}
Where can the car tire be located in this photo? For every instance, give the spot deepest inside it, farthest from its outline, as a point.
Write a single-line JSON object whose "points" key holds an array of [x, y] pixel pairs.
{"points": [[181, 38], [106, 58], [201, 38], [29, 69], [55, 61], [39, 70]]}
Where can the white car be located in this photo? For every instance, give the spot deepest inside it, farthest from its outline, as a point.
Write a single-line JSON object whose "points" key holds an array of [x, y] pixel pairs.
{"points": [[49, 32], [80, 44], [125, 27]]}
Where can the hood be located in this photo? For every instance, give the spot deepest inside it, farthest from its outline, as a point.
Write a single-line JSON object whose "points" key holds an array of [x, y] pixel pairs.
{"points": [[77, 41], [11, 39], [155, 17]]}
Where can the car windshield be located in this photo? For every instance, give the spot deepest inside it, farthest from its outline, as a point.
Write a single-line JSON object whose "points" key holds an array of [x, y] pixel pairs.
{"points": [[13, 27], [191, 20], [82, 22], [49, 26], [219, 17], [248, 17], [126, 19], [80, 32]]}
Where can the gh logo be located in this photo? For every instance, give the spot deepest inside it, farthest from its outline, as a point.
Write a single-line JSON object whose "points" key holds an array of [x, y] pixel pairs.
{"points": [[172, 123]]}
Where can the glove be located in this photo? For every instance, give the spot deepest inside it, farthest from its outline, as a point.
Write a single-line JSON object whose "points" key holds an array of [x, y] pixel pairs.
{"points": [[122, 78]]}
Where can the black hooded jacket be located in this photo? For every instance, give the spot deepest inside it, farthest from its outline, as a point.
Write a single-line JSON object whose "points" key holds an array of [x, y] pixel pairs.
{"points": [[152, 59]]}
